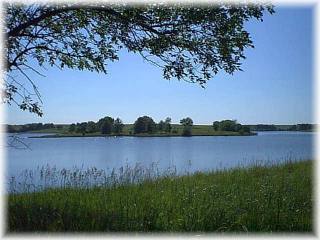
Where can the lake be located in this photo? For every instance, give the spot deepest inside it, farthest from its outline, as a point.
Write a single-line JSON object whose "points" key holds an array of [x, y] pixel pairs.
{"points": [[185, 153]]}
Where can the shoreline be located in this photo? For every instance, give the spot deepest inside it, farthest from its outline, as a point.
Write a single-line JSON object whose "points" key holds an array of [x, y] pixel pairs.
{"points": [[223, 134], [147, 135]]}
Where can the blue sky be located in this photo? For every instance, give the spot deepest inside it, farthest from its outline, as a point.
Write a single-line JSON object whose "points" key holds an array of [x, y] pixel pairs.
{"points": [[275, 86]]}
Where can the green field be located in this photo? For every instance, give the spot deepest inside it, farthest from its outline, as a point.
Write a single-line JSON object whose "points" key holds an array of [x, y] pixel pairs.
{"points": [[255, 199], [177, 129]]}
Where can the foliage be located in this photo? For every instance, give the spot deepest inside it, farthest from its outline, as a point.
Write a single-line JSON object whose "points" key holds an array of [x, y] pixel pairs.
{"points": [[164, 126], [258, 199], [29, 127], [188, 42], [230, 126], [215, 125], [144, 124], [105, 125], [302, 127], [118, 126], [160, 126], [187, 126], [81, 128], [72, 127], [266, 127], [91, 127], [272, 127], [244, 129], [167, 125], [186, 121]]}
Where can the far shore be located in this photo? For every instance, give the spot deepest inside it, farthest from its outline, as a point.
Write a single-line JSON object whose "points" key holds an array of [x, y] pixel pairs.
{"points": [[93, 129], [143, 135]]}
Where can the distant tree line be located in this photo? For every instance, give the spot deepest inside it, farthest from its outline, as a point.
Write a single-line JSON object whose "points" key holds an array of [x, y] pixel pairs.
{"points": [[272, 127], [106, 125], [143, 125], [146, 125], [231, 126], [302, 127], [264, 127], [30, 127]]}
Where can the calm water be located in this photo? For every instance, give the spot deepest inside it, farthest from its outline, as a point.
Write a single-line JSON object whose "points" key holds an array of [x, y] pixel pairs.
{"points": [[186, 153]]}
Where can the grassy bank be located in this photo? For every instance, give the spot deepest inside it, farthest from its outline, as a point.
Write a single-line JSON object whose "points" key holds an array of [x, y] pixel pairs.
{"points": [[258, 199], [197, 130]]}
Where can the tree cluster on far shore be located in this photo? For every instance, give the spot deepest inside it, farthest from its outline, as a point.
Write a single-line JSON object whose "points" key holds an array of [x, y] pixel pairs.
{"points": [[106, 125], [142, 126], [146, 124], [187, 124], [230, 126], [30, 127]]}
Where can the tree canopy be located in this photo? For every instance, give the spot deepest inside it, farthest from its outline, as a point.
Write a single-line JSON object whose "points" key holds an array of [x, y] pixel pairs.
{"points": [[188, 42], [105, 125], [144, 124], [230, 126], [187, 126], [118, 126], [186, 121], [164, 125]]}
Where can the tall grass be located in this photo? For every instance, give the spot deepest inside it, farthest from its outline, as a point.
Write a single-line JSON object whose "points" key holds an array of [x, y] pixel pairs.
{"points": [[47, 176], [255, 199]]}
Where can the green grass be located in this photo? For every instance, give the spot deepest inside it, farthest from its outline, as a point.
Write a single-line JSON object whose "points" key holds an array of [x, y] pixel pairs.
{"points": [[256, 199], [177, 129]]}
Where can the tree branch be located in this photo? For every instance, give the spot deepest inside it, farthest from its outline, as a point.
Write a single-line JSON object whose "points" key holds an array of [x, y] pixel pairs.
{"points": [[17, 30]]}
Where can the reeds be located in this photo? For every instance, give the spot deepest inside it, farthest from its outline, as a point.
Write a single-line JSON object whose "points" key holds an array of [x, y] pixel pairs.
{"points": [[274, 198], [46, 177]]}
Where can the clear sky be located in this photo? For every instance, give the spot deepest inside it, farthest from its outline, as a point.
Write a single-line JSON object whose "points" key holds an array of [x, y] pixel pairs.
{"points": [[275, 86]]}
